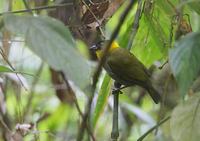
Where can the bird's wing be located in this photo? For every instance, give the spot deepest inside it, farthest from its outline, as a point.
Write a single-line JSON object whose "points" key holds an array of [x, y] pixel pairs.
{"points": [[126, 66]]}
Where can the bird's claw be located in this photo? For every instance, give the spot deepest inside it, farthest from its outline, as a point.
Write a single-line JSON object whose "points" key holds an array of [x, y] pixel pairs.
{"points": [[115, 91]]}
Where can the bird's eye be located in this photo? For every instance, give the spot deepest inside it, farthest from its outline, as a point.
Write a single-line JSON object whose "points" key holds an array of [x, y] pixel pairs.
{"points": [[100, 44]]}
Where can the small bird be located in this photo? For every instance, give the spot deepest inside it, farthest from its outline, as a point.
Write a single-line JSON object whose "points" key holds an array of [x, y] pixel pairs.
{"points": [[125, 68]]}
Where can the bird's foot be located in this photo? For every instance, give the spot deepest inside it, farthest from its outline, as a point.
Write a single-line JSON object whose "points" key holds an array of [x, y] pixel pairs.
{"points": [[117, 88], [116, 91]]}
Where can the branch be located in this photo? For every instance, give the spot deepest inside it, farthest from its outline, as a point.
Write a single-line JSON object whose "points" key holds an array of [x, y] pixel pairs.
{"points": [[4, 56], [31, 94], [91, 12], [96, 19], [27, 7], [5, 125], [153, 128], [78, 108], [135, 24], [37, 8]]}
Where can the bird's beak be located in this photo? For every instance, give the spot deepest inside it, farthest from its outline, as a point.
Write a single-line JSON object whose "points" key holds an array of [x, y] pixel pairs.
{"points": [[93, 48]]}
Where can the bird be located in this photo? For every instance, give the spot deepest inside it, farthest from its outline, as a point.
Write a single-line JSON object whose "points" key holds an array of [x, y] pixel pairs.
{"points": [[125, 68]]}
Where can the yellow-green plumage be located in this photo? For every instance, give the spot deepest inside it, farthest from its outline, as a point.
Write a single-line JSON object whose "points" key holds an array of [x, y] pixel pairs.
{"points": [[122, 64], [127, 70]]}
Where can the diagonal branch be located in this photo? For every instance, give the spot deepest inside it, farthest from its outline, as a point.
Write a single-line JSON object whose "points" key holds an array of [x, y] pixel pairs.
{"points": [[153, 128], [11, 66], [96, 19], [79, 109], [135, 24], [32, 89]]}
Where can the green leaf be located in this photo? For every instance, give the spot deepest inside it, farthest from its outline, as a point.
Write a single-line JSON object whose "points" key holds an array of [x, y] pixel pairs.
{"points": [[5, 69], [17, 5], [102, 99], [184, 123], [8, 70], [151, 41], [53, 42], [195, 6], [184, 60]]}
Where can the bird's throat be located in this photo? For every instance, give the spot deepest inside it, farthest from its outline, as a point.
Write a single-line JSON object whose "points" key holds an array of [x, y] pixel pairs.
{"points": [[114, 45]]}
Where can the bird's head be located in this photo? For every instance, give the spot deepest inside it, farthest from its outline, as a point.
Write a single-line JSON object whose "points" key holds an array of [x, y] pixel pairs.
{"points": [[98, 48]]}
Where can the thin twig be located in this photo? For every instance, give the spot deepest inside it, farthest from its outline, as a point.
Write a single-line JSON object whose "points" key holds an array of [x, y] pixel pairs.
{"points": [[195, 112], [11, 66], [38, 8], [84, 122], [161, 67], [31, 94], [27, 7], [164, 97], [101, 31], [91, 12], [5, 125], [135, 24], [78, 108], [153, 128], [93, 3]]}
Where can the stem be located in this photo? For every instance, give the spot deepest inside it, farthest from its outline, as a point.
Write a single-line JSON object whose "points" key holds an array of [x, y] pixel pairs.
{"points": [[153, 128], [78, 108], [135, 24], [32, 89], [37, 8], [27, 7], [115, 128]]}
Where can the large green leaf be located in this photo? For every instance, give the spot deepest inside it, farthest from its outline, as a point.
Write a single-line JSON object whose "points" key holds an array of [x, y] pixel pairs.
{"points": [[52, 41], [184, 60], [102, 99], [184, 123], [151, 40]]}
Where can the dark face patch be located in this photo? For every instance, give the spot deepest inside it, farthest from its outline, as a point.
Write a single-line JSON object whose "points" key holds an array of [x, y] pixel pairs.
{"points": [[99, 45]]}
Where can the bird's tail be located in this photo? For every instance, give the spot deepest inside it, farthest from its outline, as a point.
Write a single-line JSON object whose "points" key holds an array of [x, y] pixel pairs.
{"points": [[154, 94]]}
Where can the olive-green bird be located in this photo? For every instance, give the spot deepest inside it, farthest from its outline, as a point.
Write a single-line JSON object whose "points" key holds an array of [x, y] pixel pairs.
{"points": [[125, 68]]}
